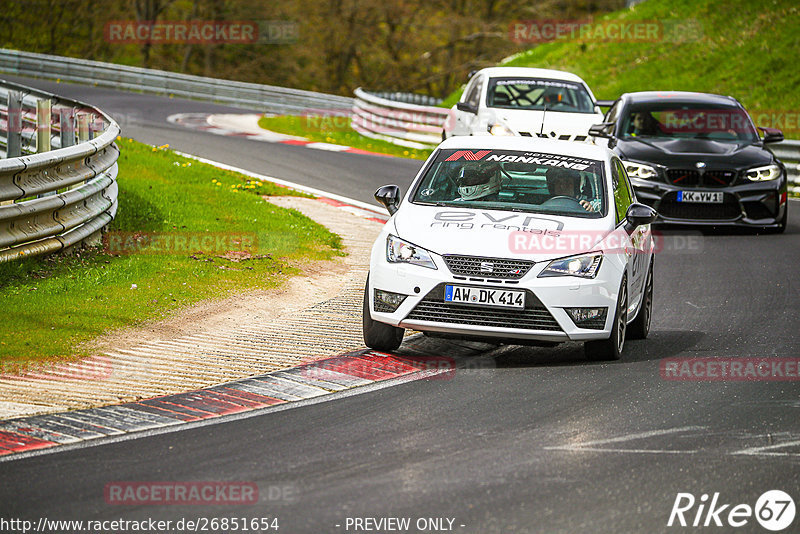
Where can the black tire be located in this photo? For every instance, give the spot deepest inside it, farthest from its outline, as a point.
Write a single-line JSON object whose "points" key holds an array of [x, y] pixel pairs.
{"points": [[640, 327], [444, 136], [611, 348], [377, 335]]}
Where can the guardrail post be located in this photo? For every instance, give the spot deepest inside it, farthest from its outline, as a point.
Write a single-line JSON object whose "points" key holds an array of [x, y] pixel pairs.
{"points": [[43, 128], [14, 138], [83, 126], [66, 121]]}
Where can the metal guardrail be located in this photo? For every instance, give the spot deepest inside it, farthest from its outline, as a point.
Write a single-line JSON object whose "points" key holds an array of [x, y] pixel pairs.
{"points": [[789, 153], [265, 98], [53, 199], [400, 123]]}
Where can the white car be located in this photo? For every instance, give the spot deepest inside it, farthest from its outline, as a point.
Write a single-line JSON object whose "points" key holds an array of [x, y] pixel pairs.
{"points": [[514, 240], [525, 102]]}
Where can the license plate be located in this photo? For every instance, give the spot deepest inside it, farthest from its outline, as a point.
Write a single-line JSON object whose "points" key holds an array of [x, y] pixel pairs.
{"points": [[500, 298], [707, 197]]}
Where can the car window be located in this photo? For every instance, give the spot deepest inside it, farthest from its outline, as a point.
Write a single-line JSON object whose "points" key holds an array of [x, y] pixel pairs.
{"points": [[611, 116], [474, 91], [622, 190], [538, 94], [675, 120], [514, 180]]}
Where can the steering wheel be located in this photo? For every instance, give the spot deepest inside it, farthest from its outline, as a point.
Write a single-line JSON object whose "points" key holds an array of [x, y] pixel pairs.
{"points": [[560, 200]]}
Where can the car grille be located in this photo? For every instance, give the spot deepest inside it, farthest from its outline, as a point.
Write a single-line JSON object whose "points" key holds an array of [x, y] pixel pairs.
{"points": [[693, 178], [672, 209], [497, 268], [433, 308], [758, 210]]}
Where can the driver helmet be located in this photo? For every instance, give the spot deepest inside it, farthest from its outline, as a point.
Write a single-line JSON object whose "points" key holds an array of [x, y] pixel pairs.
{"points": [[478, 180], [557, 176]]}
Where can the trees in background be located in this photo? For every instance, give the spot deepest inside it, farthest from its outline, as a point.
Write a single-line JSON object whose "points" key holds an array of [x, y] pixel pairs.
{"points": [[425, 46]]}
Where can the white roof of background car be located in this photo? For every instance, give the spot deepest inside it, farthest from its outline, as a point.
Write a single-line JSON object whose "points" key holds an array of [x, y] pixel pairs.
{"points": [[530, 72], [528, 144]]}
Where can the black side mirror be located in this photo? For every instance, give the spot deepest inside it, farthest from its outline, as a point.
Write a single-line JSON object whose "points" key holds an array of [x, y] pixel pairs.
{"points": [[466, 106], [601, 130], [389, 196], [771, 135], [637, 215]]}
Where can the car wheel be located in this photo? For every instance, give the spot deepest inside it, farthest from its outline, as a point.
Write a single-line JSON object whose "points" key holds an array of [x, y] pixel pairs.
{"points": [[640, 327], [377, 335], [611, 348]]}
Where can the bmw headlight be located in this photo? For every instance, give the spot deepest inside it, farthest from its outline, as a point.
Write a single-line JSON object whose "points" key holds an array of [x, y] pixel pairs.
{"points": [[762, 174], [640, 170], [399, 251], [500, 129], [585, 266]]}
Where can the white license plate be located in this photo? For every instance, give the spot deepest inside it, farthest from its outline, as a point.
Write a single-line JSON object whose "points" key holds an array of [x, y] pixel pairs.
{"points": [[501, 298], [707, 197]]}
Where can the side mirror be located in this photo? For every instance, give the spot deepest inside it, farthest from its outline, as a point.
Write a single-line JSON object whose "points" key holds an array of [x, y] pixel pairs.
{"points": [[602, 130], [465, 106], [389, 196], [638, 215], [771, 135]]}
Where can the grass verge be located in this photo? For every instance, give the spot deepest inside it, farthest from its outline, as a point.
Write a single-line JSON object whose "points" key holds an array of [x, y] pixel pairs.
{"points": [[336, 130], [185, 231]]}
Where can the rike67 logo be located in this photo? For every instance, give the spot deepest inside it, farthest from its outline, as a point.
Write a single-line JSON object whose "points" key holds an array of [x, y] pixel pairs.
{"points": [[774, 510]]}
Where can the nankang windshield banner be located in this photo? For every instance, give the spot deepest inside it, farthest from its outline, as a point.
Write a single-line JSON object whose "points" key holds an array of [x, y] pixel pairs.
{"points": [[526, 161]]}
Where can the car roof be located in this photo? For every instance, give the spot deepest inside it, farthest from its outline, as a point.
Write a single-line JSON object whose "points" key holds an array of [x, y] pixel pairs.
{"points": [[530, 72], [528, 144], [687, 97]]}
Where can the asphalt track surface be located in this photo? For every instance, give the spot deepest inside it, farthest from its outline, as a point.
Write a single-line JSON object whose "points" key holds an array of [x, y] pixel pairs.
{"points": [[520, 439]]}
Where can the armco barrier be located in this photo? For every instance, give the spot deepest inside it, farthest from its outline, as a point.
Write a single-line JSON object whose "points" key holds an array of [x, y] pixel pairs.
{"points": [[252, 96], [51, 200], [400, 123]]}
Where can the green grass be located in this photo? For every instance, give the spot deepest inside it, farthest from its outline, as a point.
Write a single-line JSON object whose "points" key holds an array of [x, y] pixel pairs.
{"points": [[746, 49], [336, 130], [60, 301]]}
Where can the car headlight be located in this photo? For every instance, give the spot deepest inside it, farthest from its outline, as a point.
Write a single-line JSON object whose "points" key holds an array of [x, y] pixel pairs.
{"points": [[585, 266], [640, 170], [399, 251], [762, 174], [500, 129]]}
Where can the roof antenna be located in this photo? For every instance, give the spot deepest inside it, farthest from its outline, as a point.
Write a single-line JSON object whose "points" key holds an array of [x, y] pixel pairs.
{"points": [[541, 132]]}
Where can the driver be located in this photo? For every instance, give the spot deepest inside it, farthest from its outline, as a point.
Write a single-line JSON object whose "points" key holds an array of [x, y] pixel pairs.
{"points": [[563, 182], [479, 180]]}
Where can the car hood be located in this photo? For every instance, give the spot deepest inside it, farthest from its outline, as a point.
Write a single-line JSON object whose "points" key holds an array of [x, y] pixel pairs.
{"points": [[492, 233], [560, 123], [673, 152]]}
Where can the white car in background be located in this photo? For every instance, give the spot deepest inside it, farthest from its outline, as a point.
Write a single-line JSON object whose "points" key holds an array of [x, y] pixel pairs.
{"points": [[526, 102], [515, 240]]}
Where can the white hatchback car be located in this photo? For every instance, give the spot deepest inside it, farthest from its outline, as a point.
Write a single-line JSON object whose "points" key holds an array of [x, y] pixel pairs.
{"points": [[514, 240], [525, 102]]}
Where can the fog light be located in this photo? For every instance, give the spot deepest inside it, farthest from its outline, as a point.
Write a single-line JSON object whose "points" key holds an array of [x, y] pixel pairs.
{"points": [[386, 301], [594, 318]]}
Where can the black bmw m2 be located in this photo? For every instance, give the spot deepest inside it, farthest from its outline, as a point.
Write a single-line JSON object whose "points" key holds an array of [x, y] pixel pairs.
{"points": [[698, 158]]}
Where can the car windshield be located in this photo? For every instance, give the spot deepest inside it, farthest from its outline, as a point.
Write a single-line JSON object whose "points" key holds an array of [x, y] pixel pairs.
{"points": [[688, 121], [539, 94], [515, 181]]}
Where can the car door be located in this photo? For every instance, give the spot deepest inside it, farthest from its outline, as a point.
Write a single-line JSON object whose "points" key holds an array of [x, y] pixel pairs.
{"points": [[638, 249], [465, 121]]}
